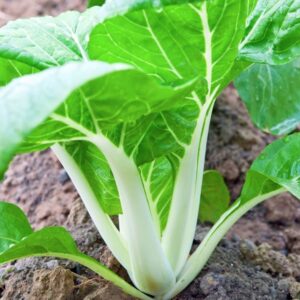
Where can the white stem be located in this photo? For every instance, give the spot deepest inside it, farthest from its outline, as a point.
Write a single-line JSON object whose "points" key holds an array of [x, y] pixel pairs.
{"points": [[150, 268], [102, 221], [180, 230], [122, 226], [200, 257]]}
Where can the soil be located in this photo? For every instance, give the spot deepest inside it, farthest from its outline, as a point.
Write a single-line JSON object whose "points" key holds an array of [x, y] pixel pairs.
{"points": [[259, 258]]}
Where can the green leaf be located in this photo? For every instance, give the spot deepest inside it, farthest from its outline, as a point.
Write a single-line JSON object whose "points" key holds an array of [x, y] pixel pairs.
{"points": [[276, 169], [265, 89], [96, 170], [150, 40], [14, 225], [158, 178], [157, 134], [123, 6], [280, 162], [199, 43], [44, 42], [273, 33], [17, 241], [215, 197], [121, 119], [10, 69], [28, 101], [162, 123], [51, 241], [92, 3], [251, 6]]}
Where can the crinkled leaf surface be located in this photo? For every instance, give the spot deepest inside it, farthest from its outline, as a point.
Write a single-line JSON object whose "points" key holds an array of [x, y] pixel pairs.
{"points": [[273, 32], [215, 197], [17, 240], [272, 95]]}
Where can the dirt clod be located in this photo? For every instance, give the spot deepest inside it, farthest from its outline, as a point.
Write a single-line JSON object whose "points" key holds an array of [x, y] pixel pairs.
{"points": [[55, 284], [270, 260], [283, 209], [98, 290]]}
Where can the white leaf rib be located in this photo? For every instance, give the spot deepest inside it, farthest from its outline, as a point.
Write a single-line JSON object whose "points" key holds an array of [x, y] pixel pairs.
{"points": [[71, 123]]}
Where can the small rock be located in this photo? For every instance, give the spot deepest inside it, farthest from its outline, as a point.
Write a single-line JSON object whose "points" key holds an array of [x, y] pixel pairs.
{"points": [[293, 240], [248, 248], [63, 177], [267, 258], [283, 284], [294, 262], [229, 169], [210, 282], [247, 138], [55, 284], [295, 289], [201, 232], [282, 209], [52, 264], [100, 290], [78, 214]]}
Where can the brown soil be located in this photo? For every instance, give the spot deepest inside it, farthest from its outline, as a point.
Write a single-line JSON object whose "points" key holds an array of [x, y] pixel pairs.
{"points": [[13, 9], [259, 259]]}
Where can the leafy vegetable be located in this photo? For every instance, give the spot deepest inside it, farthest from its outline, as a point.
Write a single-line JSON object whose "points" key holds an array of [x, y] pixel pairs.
{"points": [[265, 88], [124, 99]]}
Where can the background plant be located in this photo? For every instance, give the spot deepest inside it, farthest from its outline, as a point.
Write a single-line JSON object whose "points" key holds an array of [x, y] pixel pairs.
{"points": [[124, 93]]}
